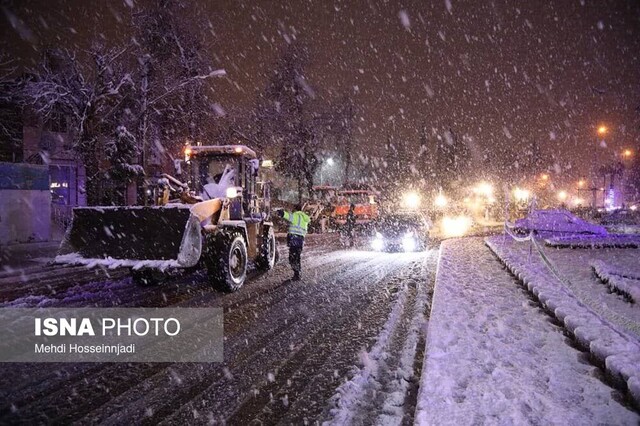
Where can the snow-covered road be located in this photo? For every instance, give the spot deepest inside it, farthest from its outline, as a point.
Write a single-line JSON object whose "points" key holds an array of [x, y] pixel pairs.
{"points": [[288, 346]]}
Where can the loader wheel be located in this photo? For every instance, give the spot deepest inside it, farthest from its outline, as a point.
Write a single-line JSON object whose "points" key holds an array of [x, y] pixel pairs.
{"points": [[228, 267], [267, 258], [146, 277]]}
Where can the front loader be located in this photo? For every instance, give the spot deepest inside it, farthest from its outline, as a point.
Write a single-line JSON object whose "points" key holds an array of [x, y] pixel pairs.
{"points": [[219, 220]]}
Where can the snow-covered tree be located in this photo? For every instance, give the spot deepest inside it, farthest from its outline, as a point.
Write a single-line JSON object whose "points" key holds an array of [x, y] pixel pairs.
{"points": [[87, 93], [175, 97], [451, 159], [10, 112], [286, 118], [122, 150], [338, 127]]}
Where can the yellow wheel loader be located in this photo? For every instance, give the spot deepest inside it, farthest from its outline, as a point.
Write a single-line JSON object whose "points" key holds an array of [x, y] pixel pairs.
{"points": [[219, 219]]}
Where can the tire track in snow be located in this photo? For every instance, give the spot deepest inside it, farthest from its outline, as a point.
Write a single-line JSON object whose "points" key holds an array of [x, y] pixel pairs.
{"points": [[214, 389], [96, 385], [30, 383], [384, 389], [292, 395]]}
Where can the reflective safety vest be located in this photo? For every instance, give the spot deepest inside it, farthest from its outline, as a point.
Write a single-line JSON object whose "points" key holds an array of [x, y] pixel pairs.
{"points": [[299, 222]]}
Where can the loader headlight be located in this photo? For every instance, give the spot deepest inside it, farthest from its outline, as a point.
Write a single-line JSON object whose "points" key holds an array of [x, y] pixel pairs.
{"points": [[233, 192], [408, 242], [378, 242]]}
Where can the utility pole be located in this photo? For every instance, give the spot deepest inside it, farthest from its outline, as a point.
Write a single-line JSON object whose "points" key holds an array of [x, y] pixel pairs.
{"points": [[144, 125]]}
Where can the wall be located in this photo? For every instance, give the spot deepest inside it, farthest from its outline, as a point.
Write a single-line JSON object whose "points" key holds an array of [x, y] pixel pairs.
{"points": [[25, 203]]}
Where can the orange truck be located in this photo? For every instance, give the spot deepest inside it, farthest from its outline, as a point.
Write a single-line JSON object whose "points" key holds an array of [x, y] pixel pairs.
{"points": [[366, 207]]}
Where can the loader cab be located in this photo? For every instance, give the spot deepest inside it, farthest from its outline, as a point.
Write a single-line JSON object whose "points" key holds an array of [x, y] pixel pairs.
{"points": [[222, 171]]}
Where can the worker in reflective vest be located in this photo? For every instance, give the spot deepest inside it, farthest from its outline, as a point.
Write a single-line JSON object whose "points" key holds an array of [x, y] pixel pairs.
{"points": [[298, 224]]}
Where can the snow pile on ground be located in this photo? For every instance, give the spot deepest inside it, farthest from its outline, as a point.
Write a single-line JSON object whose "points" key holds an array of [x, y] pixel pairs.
{"points": [[593, 241], [620, 281], [493, 356], [558, 221], [624, 228], [377, 391], [111, 263], [615, 348]]}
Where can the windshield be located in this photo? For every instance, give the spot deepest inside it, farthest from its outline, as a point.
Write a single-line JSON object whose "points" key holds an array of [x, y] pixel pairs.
{"points": [[397, 225], [214, 175], [357, 198]]}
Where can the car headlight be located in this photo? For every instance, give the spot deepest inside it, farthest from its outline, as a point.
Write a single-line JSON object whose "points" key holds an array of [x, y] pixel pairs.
{"points": [[378, 242], [455, 226], [408, 242]]}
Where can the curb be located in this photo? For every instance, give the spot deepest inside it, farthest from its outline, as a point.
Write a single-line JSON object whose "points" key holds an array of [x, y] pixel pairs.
{"points": [[618, 353]]}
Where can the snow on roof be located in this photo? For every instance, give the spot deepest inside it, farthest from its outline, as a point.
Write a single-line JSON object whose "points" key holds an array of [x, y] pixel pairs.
{"points": [[240, 150], [104, 208]]}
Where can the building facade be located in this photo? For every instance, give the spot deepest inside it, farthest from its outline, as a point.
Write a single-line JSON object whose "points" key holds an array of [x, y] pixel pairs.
{"points": [[50, 143]]}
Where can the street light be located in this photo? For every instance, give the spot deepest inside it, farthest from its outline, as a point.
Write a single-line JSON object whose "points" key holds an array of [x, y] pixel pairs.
{"points": [[562, 196], [581, 183], [627, 153], [330, 163], [544, 177], [602, 130]]}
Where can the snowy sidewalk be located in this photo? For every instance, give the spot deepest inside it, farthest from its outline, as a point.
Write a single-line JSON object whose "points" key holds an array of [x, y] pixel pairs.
{"points": [[493, 356], [26, 256]]}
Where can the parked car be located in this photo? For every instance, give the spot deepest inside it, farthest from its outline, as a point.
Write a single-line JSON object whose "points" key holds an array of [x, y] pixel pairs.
{"points": [[557, 221]]}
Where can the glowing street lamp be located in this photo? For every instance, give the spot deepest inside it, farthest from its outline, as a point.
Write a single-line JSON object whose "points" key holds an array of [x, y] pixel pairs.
{"points": [[581, 183], [330, 163], [562, 196], [627, 153], [544, 177], [602, 130]]}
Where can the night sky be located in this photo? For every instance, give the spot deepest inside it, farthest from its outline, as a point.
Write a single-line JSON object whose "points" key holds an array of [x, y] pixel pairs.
{"points": [[498, 73]]}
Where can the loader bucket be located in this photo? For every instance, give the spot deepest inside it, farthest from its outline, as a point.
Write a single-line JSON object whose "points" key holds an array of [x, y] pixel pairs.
{"points": [[134, 236]]}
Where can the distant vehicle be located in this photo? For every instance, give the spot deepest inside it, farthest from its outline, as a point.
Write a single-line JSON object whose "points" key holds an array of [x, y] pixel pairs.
{"points": [[365, 201], [320, 206], [557, 221], [406, 232]]}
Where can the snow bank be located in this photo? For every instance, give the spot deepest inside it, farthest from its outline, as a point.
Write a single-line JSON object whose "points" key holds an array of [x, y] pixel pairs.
{"points": [[492, 356], [558, 221], [593, 241], [617, 280], [111, 263], [617, 350]]}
